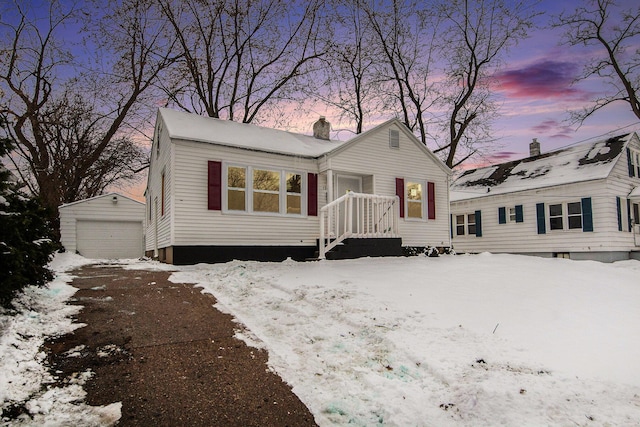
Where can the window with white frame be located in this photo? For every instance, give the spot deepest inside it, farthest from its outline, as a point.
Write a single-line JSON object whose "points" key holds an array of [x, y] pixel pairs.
{"points": [[567, 215], [471, 224], [466, 224], [460, 225], [512, 214], [414, 200], [574, 215], [294, 193], [555, 217], [264, 190], [236, 188]]}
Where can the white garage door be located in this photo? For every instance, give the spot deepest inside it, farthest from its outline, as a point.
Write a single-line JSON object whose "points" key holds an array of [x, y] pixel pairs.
{"points": [[109, 239]]}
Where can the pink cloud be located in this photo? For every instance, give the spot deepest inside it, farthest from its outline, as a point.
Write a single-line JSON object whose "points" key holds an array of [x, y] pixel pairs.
{"points": [[541, 80], [555, 128]]}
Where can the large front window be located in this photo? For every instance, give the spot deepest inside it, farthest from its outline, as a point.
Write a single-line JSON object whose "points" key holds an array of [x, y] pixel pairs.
{"points": [[251, 189], [414, 200]]}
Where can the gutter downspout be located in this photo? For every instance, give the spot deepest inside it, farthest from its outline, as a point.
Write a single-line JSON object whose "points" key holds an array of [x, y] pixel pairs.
{"points": [[449, 212]]}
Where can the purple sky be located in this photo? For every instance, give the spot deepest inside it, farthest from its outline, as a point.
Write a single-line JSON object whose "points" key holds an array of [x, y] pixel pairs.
{"points": [[535, 93]]}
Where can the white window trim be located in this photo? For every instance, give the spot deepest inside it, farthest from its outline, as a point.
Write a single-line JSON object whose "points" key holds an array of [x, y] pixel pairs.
{"points": [[423, 199], [565, 218], [248, 194], [465, 224], [509, 217]]}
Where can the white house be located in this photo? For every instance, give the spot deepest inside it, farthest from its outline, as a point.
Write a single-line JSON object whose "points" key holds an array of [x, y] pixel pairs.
{"points": [[106, 226], [220, 190], [580, 202]]}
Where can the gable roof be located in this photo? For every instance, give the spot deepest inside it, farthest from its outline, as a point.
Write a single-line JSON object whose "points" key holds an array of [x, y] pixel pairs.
{"points": [[407, 133], [99, 197], [193, 127], [584, 162]]}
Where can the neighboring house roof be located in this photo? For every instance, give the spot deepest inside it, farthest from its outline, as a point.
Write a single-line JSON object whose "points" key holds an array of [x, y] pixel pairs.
{"points": [[584, 162], [193, 127], [98, 197]]}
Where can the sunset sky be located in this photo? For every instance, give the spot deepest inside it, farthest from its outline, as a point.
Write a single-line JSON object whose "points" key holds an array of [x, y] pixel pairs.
{"points": [[535, 92]]}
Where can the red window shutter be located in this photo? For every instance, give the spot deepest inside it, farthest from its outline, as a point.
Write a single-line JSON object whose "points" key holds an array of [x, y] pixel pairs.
{"points": [[214, 186], [431, 200], [400, 194], [312, 194]]}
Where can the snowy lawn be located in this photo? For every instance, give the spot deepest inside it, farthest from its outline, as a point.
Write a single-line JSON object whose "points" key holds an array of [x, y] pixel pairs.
{"points": [[454, 340]]}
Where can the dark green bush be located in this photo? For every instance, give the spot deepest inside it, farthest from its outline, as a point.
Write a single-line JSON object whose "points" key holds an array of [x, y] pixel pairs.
{"points": [[26, 245]]}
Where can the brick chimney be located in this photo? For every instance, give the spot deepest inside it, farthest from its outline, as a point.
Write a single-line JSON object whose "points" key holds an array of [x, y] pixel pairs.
{"points": [[534, 148], [321, 129]]}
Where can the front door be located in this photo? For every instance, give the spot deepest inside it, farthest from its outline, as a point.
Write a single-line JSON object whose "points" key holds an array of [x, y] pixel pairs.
{"points": [[344, 184]]}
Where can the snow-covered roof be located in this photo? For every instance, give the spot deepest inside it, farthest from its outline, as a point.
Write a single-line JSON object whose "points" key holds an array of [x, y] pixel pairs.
{"points": [[112, 194], [193, 127], [584, 162], [635, 193]]}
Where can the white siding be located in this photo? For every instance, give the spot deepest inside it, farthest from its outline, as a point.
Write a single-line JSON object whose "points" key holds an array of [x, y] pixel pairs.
{"points": [[194, 224], [523, 237], [101, 208], [160, 162], [374, 156]]}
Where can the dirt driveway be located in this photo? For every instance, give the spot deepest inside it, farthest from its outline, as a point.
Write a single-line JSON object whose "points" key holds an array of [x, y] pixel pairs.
{"points": [[168, 355]]}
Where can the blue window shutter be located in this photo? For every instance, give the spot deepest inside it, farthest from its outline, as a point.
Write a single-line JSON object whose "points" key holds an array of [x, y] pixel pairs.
{"points": [[478, 224], [502, 215], [542, 228], [632, 170], [587, 216], [519, 214], [629, 215], [619, 212]]}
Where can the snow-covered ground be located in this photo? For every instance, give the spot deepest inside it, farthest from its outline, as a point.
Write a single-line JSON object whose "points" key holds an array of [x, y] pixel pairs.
{"points": [[24, 379], [455, 340]]}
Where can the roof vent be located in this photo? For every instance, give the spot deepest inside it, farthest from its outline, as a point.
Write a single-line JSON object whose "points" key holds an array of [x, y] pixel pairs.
{"points": [[534, 148], [321, 129]]}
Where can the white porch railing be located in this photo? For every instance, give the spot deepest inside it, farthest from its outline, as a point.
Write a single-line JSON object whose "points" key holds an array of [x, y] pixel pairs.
{"points": [[358, 215]]}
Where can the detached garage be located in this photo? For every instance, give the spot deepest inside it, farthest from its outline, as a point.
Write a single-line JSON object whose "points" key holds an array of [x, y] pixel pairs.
{"points": [[107, 226]]}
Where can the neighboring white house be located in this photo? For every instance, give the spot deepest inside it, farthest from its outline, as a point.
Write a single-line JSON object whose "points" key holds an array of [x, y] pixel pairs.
{"points": [[106, 226], [580, 202], [220, 190]]}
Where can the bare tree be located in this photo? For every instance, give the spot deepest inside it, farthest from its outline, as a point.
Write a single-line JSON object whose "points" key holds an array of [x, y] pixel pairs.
{"points": [[404, 33], [616, 33], [349, 66], [477, 33], [69, 117], [239, 57]]}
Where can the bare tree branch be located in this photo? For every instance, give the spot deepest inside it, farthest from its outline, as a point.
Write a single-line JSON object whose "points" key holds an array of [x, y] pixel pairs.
{"points": [[602, 24]]}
